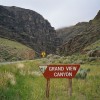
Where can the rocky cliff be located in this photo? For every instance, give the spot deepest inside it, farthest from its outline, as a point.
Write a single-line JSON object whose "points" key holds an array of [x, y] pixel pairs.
{"points": [[76, 38], [27, 27]]}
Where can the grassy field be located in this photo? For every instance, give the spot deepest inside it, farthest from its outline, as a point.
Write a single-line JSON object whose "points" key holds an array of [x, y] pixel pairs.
{"points": [[24, 81], [13, 51]]}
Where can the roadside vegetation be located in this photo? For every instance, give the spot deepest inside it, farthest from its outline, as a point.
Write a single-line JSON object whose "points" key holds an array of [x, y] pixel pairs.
{"points": [[24, 81]]}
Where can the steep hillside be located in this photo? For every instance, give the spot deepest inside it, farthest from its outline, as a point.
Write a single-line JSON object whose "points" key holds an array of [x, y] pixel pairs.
{"points": [[13, 51], [76, 38], [93, 46], [93, 50], [27, 27], [69, 32]]}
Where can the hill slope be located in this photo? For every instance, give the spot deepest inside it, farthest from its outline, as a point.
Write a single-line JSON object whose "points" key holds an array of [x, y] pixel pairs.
{"points": [[27, 27], [76, 38], [12, 51], [93, 46]]}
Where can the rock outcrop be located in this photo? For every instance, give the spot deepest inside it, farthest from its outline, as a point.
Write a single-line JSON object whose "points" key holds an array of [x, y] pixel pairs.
{"points": [[27, 27], [94, 53]]}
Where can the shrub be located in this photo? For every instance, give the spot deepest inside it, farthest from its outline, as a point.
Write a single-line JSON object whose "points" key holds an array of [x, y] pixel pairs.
{"points": [[92, 59], [82, 73]]}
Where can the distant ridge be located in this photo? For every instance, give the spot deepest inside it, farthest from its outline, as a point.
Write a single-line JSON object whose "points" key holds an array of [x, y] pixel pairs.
{"points": [[76, 38]]}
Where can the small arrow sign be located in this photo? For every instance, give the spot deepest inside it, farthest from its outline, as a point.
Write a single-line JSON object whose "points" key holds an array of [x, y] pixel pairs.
{"points": [[43, 54]]}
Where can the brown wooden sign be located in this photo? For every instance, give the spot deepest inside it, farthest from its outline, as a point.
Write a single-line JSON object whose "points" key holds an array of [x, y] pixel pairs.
{"points": [[59, 71]]}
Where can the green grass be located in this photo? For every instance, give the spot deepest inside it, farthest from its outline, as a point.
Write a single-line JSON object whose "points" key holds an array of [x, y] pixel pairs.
{"points": [[6, 42], [19, 82], [12, 51]]}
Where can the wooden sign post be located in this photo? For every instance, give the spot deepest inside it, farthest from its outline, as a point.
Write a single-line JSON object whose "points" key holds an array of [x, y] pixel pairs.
{"points": [[59, 71], [70, 87], [47, 88]]}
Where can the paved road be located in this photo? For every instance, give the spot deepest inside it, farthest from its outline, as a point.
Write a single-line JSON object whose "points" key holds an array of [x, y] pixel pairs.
{"points": [[4, 63]]}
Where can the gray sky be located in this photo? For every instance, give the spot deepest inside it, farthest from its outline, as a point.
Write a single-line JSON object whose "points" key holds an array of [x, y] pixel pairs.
{"points": [[60, 13]]}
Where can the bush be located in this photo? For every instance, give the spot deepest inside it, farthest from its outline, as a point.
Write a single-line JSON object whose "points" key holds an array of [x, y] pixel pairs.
{"points": [[79, 62], [92, 59], [82, 73]]}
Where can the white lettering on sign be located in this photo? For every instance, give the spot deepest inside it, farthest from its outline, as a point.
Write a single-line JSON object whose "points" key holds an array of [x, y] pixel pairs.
{"points": [[56, 68], [71, 68], [56, 74]]}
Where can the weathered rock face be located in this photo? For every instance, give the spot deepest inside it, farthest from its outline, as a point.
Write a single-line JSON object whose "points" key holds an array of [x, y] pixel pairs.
{"points": [[94, 53], [77, 37], [27, 27], [69, 32]]}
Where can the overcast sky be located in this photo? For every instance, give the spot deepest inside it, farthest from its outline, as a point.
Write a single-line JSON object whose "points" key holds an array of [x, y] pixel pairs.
{"points": [[60, 13]]}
